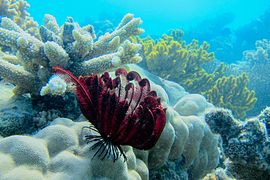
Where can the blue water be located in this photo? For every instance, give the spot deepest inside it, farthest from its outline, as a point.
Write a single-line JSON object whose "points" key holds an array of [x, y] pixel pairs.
{"points": [[158, 15]]}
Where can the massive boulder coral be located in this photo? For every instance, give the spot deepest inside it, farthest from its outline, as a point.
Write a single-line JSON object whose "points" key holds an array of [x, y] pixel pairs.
{"points": [[58, 152], [245, 143], [69, 46]]}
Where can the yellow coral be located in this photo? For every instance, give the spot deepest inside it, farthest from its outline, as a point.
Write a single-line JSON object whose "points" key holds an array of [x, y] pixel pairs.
{"points": [[171, 58], [232, 93]]}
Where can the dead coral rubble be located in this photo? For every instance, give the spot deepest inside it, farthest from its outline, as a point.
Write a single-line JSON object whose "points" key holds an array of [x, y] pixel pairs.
{"points": [[28, 63]]}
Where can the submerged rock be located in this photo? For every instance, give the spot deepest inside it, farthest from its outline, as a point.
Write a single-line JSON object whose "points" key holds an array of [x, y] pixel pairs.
{"points": [[245, 143], [16, 116]]}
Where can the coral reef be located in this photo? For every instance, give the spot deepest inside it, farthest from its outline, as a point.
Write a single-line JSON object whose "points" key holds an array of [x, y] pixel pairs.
{"points": [[232, 93], [60, 150], [245, 143], [256, 63], [218, 174], [171, 58], [43, 118], [26, 61], [70, 46]]}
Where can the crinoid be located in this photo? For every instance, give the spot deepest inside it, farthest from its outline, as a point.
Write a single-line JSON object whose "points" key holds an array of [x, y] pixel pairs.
{"points": [[123, 111]]}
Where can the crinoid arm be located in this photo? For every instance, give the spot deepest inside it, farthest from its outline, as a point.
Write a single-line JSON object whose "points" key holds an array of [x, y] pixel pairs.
{"points": [[104, 147], [123, 111]]}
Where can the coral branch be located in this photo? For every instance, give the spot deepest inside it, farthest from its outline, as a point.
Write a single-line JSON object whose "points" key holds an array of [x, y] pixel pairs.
{"points": [[126, 54], [128, 27], [16, 74]]}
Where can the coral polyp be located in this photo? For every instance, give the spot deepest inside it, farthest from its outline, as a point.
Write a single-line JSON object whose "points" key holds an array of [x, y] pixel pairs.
{"points": [[123, 110]]}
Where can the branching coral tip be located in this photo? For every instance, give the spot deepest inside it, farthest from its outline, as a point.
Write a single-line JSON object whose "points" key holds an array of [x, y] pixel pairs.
{"points": [[123, 110]]}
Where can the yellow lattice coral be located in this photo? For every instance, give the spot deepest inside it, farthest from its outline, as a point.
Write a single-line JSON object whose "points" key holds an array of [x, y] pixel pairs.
{"points": [[172, 58], [232, 92]]}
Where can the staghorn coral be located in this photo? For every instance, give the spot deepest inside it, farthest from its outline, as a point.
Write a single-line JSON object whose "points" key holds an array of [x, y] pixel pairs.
{"points": [[245, 143], [69, 46], [171, 58], [17, 11]]}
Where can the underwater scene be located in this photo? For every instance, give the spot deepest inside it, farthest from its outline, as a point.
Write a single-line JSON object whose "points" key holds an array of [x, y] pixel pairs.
{"points": [[134, 90]]}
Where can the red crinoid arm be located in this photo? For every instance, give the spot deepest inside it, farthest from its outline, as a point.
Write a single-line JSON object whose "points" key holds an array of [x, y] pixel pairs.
{"points": [[117, 120], [160, 121], [136, 132], [138, 118], [83, 95], [80, 86], [159, 114], [143, 129], [113, 110]]}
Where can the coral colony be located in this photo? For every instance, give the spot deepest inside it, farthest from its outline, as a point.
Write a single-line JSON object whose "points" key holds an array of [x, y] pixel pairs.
{"points": [[70, 46], [123, 110]]}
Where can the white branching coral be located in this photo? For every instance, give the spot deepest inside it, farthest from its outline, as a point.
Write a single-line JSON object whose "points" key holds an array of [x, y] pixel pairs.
{"points": [[17, 11], [70, 46]]}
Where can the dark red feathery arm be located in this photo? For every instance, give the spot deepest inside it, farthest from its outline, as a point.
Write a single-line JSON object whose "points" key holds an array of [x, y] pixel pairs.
{"points": [[83, 95], [74, 79], [124, 110]]}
